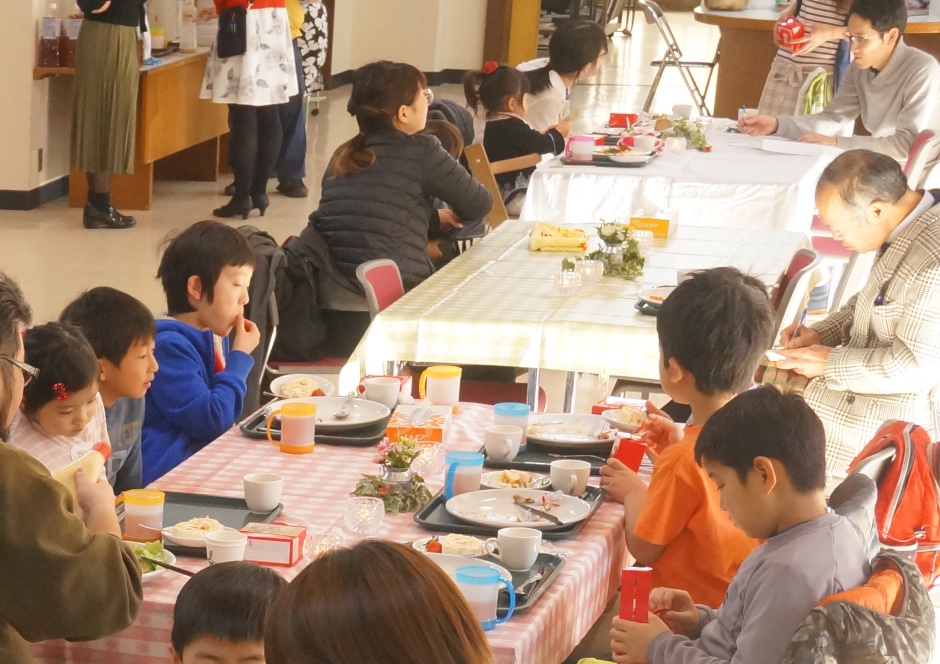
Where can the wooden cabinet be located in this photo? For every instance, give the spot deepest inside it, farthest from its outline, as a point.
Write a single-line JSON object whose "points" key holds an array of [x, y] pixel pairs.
{"points": [[511, 30]]}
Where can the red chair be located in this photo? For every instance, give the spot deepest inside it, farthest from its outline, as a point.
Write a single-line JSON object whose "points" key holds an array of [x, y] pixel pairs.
{"points": [[382, 283], [794, 287]]}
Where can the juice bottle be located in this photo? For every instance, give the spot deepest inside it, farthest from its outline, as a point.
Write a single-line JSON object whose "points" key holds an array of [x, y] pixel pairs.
{"points": [[50, 32], [69, 41]]}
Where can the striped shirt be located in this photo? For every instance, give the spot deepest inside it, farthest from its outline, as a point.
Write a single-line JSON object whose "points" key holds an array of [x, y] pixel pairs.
{"points": [[818, 11]]}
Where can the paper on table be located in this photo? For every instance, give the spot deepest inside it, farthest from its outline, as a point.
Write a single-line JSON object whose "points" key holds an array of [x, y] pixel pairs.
{"points": [[794, 147]]}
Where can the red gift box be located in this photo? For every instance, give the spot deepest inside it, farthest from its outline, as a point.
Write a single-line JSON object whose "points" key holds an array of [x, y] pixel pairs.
{"points": [[278, 544], [635, 594], [629, 451], [789, 31], [624, 120]]}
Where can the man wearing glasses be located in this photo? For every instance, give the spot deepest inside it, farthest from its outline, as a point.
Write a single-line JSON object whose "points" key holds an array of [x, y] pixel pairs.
{"points": [[892, 86], [64, 572]]}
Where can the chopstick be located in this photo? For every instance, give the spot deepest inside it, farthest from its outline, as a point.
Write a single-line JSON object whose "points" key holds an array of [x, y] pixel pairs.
{"points": [[160, 563]]}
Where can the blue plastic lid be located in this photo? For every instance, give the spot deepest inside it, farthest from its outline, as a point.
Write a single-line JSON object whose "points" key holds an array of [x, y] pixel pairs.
{"points": [[510, 409], [478, 575], [464, 458]]}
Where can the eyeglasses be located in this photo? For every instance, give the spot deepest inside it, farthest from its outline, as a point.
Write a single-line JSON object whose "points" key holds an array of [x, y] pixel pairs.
{"points": [[858, 39], [29, 371], [428, 94]]}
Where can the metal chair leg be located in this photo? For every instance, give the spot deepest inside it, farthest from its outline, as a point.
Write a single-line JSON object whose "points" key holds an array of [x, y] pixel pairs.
{"points": [[655, 85]]}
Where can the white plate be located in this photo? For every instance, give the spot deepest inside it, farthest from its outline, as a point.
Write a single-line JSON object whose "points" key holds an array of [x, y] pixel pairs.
{"points": [[630, 158], [491, 480], [655, 296], [497, 508], [566, 428], [169, 534], [609, 131], [613, 418], [362, 412], [281, 381], [421, 545], [450, 565], [168, 557]]}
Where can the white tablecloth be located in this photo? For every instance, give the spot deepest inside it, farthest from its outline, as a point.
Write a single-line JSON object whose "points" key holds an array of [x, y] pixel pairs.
{"points": [[736, 185], [495, 305]]}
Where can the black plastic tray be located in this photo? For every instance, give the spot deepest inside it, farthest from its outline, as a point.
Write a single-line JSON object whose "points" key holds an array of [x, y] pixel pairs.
{"points": [[253, 426], [550, 562], [539, 461], [603, 160], [435, 517], [231, 512]]}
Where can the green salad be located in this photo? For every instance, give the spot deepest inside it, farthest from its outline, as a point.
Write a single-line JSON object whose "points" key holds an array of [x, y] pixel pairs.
{"points": [[152, 550]]}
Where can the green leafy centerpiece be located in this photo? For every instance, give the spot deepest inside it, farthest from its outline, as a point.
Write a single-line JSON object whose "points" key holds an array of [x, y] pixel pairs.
{"points": [[399, 487], [691, 131], [620, 253]]}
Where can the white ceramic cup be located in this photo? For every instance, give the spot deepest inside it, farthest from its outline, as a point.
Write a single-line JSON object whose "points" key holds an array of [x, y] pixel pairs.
{"points": [[502, 441], [263, 491], [570, 476], [383, 389], [516, 548], [224, 546], [683, 111], [644, 143]]}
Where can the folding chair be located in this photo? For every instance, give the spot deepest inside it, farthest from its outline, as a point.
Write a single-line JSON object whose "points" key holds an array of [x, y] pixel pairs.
{"points": [[795, 285], [923, 156], [485, 171], [673, 58]]}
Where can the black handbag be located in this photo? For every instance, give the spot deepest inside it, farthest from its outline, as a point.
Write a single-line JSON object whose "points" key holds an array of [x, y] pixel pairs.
{"points": [[232, 39]]}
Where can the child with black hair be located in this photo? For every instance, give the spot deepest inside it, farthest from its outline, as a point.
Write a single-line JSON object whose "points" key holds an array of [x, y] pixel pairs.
{"points": [[121, 331], [221, 614], [62, 416], [501, 91], [713, 330], [766, 452], [198, 392], [575, 51]]}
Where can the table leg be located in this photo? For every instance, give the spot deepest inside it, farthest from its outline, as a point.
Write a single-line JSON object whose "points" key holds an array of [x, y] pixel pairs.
{"points": [[571, 387], [532, 390]]}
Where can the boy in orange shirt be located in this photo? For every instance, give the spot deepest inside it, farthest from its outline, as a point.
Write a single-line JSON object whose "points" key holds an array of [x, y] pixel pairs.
{"points": [[713, 330]]}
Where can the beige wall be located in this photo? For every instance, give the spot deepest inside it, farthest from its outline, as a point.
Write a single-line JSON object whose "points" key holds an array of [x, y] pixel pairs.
{"points": [[433, 35]]}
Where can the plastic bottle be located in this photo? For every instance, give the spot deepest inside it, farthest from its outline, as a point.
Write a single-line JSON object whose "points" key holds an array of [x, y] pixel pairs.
{"points": [[188, 27], [50, 32], [69, 42]]}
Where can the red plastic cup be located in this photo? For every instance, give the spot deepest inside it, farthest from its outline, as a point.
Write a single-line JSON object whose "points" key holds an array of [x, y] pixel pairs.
{"points": [[635, 594], [630, 453]]}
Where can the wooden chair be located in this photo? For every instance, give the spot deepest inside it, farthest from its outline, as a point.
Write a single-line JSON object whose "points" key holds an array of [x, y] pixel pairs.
{"points": [[486, 171]]}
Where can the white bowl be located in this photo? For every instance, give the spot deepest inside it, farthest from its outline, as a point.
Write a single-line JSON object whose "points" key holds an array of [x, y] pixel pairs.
{"points": [[631, 158], [169, 534], [282, 381]]}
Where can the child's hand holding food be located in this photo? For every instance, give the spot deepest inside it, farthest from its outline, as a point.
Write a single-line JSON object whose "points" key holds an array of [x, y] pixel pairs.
{"points": [[247, 335]]}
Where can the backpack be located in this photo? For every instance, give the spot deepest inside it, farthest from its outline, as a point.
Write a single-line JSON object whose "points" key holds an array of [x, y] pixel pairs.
{"points": [[903, 462]]}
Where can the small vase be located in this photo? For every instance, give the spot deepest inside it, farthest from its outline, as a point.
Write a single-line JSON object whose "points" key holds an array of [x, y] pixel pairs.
{"points": [[396, 477]]}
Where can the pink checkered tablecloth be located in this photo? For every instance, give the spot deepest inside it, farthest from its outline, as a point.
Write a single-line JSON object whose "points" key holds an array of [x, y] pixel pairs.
{"points": [[315, 487]]}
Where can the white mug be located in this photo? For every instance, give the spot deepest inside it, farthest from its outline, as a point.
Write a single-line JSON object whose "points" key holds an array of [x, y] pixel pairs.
{"points": [[644, 143], [383, 389], [570, 476], [225, 546], [517, 547], [262, 491], [502, 441]]}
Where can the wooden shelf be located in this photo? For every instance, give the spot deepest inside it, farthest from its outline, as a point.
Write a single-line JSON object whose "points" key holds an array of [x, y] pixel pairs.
{"points": [[40, 73]]}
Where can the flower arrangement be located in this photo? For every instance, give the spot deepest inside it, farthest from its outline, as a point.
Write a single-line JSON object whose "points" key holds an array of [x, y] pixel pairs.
{"points": [[625, 264], [691, 131], [399, 454], [613, 234]]}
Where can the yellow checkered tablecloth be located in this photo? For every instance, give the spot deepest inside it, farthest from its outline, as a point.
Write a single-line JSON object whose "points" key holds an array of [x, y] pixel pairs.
{"points": [[494, 305]]}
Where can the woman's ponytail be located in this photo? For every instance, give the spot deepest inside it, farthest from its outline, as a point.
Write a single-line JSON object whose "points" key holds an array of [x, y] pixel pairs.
{"points": [[471, 89]]}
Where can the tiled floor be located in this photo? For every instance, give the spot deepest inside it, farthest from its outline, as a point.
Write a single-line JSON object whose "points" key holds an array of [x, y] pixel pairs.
{"points": [[54, 258]]}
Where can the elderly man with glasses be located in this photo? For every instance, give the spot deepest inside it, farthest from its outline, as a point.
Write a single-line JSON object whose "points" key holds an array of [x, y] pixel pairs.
{"points": [[892, 86], [64, 571]]}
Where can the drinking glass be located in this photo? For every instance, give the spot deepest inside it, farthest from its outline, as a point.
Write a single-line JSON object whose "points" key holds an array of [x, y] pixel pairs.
{"points": [[566, 282], [321, 544], [364, 514]]}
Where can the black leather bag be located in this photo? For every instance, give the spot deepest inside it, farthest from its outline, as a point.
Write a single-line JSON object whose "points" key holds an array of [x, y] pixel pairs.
{"points": [[233, 32]]}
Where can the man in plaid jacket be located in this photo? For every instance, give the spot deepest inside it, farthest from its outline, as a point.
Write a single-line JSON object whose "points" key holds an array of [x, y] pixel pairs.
{"points": [[878, 357]]}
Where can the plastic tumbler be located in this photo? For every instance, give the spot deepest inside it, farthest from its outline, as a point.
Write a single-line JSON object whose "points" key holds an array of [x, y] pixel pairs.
{"points": [[143, 515], [480, 586]]}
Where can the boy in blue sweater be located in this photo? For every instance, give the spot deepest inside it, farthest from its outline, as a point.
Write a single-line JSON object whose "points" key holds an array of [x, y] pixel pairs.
{"points": [[198, 392]]}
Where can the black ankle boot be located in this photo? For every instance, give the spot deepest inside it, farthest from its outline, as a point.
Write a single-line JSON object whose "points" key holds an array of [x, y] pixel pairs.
{"points": [[107, 218], [234, 207], [260, 201]]}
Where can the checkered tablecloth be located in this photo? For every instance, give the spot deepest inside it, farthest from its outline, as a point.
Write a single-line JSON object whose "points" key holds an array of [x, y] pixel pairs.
{"points": [[736, 185], [315, 487], [495, 305]]}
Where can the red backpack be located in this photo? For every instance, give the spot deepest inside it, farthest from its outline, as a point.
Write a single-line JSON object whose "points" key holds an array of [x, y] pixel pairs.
{"points": [[903, 462]]}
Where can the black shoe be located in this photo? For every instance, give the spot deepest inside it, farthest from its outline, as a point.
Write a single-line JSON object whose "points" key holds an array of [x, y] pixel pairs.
{"points": [[261, 202], [110, 218], [234, 207], [229, 189], [293, 188]]}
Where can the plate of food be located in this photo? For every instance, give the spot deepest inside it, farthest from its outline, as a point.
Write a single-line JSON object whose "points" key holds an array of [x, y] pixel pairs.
{"points": [[514, 479], [625, 418], [450, 565], [631, 157], [154, 551], [451, 545], [565, 428], [361, 412], [655, 296], [192, 533], [501, 508], [293, 386]]}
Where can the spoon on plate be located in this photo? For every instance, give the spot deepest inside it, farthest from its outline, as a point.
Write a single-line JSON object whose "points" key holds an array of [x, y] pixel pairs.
{"points": [[345, 411]]}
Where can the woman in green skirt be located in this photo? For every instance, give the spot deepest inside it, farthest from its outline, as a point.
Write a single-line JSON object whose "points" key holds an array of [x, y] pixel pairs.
{"points": [[104, 118]]}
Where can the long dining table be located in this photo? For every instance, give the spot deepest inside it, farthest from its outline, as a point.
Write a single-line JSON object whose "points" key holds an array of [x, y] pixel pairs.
{"points": [[738, 184], [315, 487], [495, 305]]}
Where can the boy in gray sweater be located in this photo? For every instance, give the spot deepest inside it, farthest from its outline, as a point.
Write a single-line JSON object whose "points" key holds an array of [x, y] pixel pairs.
{"points": [[766, 452], [892, 86]]}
